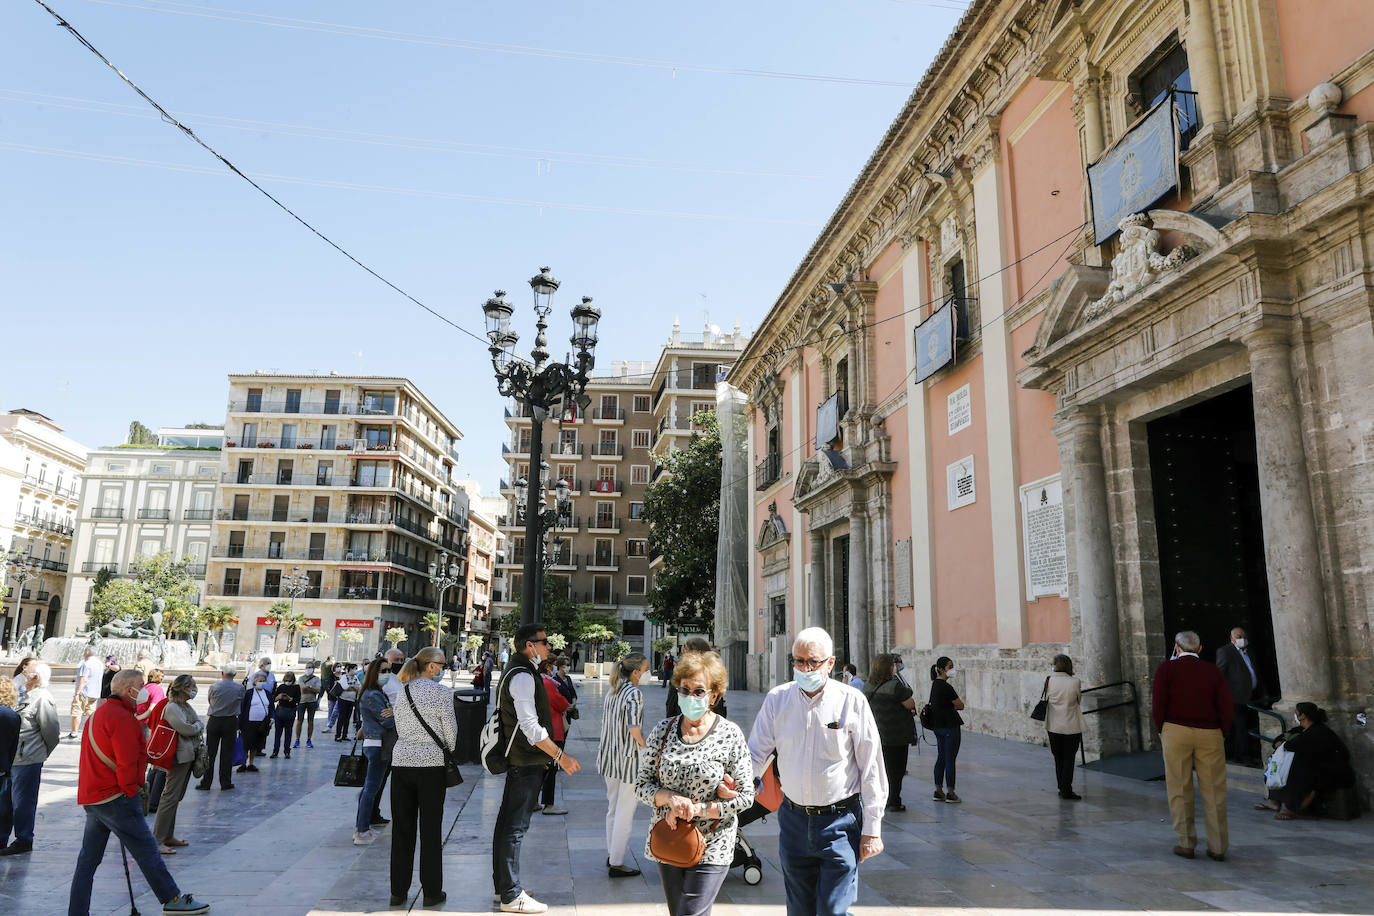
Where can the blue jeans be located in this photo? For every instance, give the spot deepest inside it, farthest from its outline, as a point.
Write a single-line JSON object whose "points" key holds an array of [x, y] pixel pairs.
{"points": [[6, 808], [819, 854], [517, 804], [372, 784], [124, 818], [946, 751], [23, 798]]}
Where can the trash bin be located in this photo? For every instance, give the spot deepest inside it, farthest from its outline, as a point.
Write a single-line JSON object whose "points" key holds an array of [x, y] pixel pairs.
{"points": [[470, 707]]}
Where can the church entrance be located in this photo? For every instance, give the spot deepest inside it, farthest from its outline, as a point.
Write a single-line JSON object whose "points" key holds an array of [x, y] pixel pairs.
{"points": [[839, 556], [1208, 525]]}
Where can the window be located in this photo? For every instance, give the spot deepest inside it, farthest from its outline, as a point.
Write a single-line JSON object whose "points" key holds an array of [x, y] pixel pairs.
{"points": [[639, 438], [288, 435], [779, 616], [331, 400], [522, 442], [316, 545], [567, 441], [636, 585], [324, 473], [604, 552], [116, 466], [321, 509], [522, 471], [636, 547], [377, 437], [235, 544], [250, 435], [639, 473], [1166, 72], [601, 590], [280, 506], [285, 469], [610, 405], [605, 515], [276, 545], [207, 469], [271, 583], [104, 550], [605, 472], [636, 510], [254, 400], [568, 472], [202, 500], [378, 402], [842, 387], [327, 435], [643, 403], [962, 304], [231, 581], [373, 474], [703, 375], [162, 469], [293, 400]]}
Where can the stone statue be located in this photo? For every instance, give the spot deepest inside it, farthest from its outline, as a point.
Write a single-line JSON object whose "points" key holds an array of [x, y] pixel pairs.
{"points": [[125, 628], [26, 639], [1138, 264], [155, 621], [37, 642]]}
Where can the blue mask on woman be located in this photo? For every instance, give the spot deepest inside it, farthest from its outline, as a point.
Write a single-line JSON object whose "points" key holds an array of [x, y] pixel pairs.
{"points": [[693, 708], [810, 681]]}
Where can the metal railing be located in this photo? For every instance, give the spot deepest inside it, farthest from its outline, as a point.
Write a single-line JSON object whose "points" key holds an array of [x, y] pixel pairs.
{"points": [[768, 471], [576, 450], [608, 450], [329, 408], [198, 515], [603, 523], [94, 567], [614, 413], [54, 565], [1132, 700], [603, 561], [606, 487], [99, 512], [155, 514]]}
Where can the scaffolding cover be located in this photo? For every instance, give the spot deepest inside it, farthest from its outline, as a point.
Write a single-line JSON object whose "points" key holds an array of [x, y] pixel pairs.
{"points": [[732, 550]]}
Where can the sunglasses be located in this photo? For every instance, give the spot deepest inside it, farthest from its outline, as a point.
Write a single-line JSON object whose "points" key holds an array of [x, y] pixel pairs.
{"points": [[697, 692], [806, 664]]}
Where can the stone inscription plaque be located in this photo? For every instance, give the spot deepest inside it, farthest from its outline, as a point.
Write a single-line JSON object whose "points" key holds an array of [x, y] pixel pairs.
{"points": [[1042, 521], [902, 573], [959, 408], [959, 479]]}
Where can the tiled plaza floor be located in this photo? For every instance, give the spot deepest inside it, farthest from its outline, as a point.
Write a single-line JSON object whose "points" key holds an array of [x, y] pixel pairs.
{"points": [[281, 844]]}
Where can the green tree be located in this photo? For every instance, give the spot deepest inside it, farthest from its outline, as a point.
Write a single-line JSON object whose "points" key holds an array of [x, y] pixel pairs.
{"points": [[352, 637], [395, 635], [664, 644], [596, 634], [141, 435], [683, 511], [103, 575], [558, 613], [291, 624], [216, 618], [619, 650], [155, 576], [474, 642], [433, 622]]}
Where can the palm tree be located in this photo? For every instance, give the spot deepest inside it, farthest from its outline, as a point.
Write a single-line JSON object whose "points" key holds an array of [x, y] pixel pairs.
{"points": [[217, 617], [279, 612], [293, 622], [433, 622]]}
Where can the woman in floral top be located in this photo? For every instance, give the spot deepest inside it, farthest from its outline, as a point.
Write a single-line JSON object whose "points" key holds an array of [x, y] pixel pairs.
{"points": [[697, 766]]}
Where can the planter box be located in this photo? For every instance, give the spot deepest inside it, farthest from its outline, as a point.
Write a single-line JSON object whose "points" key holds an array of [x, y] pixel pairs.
{"points": [[592, 669]]}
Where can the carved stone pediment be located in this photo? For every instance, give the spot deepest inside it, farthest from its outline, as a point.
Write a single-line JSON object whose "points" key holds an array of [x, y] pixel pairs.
{"points": [[1138, 264], [817, 474], [773, 531]]}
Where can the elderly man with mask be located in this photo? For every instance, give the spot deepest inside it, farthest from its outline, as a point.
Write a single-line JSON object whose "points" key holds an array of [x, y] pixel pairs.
{"points": [[114, 758], [830, 764]]}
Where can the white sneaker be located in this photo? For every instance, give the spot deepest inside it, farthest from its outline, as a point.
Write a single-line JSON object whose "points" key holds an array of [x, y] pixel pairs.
{"points": [[364, 839], [553, 809], [524, 904]]}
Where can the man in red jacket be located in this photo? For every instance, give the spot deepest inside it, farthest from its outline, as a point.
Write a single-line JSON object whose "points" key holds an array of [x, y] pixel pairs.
{"points": [[1192, 713], [114, 758]]}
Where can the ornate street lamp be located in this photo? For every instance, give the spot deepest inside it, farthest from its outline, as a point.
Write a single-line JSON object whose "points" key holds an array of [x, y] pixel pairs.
{"points": [[22, 567], [443, 576], [541, 385]]}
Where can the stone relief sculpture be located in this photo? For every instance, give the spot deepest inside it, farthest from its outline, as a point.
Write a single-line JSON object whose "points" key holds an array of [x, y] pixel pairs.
{"points": [[1138, 265]]}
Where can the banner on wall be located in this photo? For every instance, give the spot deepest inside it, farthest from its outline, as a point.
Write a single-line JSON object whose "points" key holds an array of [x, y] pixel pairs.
{"points": [[934, 342], [1136, 171]]}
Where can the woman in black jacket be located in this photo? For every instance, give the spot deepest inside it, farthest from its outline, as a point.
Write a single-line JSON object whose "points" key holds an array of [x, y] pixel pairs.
{"points": [[893, 705], [1321, 763], [945, 722]]}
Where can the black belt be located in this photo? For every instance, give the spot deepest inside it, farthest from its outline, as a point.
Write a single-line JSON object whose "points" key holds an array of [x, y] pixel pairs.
{"points": [[838, 808]]}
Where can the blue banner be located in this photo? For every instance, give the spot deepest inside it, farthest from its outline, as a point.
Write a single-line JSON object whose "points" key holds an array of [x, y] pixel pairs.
{"points": [[935, 342], [1137, 171], [828, 421]]}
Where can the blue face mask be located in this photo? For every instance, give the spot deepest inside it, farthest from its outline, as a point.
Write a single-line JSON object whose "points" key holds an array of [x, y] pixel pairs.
{"points": [[809, 681], [693, 708], [439, 676]]}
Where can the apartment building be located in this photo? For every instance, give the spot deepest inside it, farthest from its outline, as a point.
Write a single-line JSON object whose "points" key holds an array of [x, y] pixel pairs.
{"points": [[40, 470], [684, 382], [485, 542], [348, 483], [604, 455], [138, 501]]}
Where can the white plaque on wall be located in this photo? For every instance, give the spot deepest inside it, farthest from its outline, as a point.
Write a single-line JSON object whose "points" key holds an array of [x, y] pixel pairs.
{"points": [[959, 477], [959, 406], [902, 572], [1042, 527]]}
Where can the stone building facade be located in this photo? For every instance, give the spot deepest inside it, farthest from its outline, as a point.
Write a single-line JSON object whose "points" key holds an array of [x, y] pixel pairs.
{"points": [[1159, 425]]}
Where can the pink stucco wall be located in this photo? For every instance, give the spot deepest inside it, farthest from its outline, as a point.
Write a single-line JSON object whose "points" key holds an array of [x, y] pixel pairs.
{"points": [[1318, 39]]}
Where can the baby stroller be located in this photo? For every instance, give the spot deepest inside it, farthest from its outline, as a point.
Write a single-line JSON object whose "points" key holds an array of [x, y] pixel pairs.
{"points": [[766, 801]]}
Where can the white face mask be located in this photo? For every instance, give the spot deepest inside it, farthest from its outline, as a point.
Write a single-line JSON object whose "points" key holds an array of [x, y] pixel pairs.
{"points": [[142, 696], [1242, 642], [950, 672]]}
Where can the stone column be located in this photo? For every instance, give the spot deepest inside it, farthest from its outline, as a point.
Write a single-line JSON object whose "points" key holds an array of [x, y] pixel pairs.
{"points": [[1088, 96], [1085, 483], [815, 600], [1291, 557], [1202, 63], [859, 624]]}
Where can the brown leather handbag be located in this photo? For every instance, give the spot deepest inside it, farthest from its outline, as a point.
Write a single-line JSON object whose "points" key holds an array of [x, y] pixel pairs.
{"points": [[681, 846]]}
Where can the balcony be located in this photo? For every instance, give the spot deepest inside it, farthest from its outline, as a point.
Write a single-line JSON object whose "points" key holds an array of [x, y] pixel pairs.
{"points": [[567, 562], [324, 408], [567, 450], [605, 599], [198, 515], [196, 570], [515, 449], [156, 515], [606, 488], [608, 415], [768, 472], [100, 512], [608, 450], [603, 524], [603, 562], [569, 525], [57, 526], [54, 565], [93, 567]]}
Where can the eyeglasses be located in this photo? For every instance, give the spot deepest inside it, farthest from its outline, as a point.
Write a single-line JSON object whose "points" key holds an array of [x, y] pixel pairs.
{"points": [[545, 641], [697, 692], [806, 664]]}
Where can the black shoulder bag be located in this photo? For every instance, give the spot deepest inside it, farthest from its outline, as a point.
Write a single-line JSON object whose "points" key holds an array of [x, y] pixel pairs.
{"points": [[451, 775], [1038, 713]]}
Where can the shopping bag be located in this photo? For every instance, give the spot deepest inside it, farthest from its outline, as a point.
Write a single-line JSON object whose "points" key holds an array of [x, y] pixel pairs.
{"points": [[240, 758], [351, 770], [1276, 769]]}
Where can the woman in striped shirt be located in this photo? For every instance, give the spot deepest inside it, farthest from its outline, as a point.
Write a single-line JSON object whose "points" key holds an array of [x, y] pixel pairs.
{"points": [[617, 759]]}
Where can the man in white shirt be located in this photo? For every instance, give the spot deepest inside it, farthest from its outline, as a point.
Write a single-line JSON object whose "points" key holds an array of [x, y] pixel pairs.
{"points": [[395, 658], [526, 722], [88, 676], [830, 765]]}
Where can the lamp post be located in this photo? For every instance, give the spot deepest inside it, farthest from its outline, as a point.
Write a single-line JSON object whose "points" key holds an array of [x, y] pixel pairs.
{"points": [[294, 585], [541, 385], [23, 567], [443, 576]]}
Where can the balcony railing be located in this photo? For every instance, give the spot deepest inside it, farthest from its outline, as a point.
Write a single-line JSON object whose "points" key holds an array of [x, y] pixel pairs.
{"points": [[196, 570], [608, 450], [606, 487], [603, 523], [198, 515], [95, 567], [605, 599], [54, 565], [155, 514], [576, 450], [768, 472], [328, 593], [603, 561], [100, 512], [370, 409], [608, 413]]}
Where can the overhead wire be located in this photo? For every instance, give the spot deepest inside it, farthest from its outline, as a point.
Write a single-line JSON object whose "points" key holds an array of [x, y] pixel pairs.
{"points": [[468, 44]]}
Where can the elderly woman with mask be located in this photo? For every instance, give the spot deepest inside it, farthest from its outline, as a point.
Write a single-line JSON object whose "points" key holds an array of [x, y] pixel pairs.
{"points": [[178, 714], [255, 719]]}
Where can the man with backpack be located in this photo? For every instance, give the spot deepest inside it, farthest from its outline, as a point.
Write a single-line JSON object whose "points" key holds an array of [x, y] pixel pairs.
{"points": [[526, 721]]}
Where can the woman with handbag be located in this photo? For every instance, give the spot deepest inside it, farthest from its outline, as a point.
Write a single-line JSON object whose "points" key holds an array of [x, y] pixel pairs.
{"points": [[178, 714], [617, 757], [892, 703], [378, 719], [255, 718], [422, 768], [697, 776], [1063, 695]]}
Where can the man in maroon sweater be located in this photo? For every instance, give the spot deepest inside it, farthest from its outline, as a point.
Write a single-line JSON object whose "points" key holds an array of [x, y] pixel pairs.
{"points": [[1192, 713]]}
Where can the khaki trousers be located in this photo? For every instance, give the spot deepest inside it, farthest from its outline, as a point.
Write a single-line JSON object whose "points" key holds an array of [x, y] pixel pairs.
{"points": [[1202, 750]]}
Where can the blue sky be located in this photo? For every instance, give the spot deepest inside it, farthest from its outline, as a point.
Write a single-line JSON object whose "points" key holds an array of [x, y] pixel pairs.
{"points": [[136, 272]]}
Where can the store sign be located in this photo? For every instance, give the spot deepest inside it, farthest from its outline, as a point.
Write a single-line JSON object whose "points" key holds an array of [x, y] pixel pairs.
{"points": [[959, 478], [935, 342], [312, 622], [353, 624], [267, 622], [959, 410], [1138, 170], [1042, 530]]}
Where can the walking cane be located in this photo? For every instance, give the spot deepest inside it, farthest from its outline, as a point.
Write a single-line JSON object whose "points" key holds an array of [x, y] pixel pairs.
{"points": [[133, 908]]}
